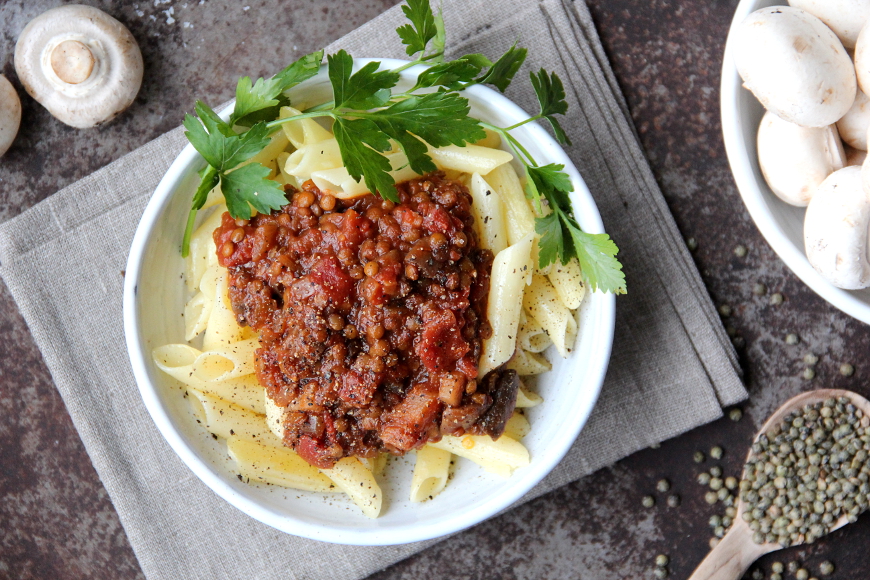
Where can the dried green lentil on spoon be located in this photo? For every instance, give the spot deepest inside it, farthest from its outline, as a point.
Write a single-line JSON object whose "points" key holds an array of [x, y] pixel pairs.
{"points": [[807, 472]]}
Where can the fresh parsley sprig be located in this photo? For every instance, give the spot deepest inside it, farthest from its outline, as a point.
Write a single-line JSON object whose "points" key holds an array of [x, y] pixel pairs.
{"points": [[368, 118]]}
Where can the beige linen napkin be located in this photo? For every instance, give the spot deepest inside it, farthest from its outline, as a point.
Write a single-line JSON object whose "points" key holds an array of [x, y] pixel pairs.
{"points": [[672, 367]]}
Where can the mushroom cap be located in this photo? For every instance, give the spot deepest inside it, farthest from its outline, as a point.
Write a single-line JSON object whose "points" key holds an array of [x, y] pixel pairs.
{"points": [[836, 228], [844, 17], [853, 126], [795, 65], [10, 114], [79, 63], [862, 59], [795, 159]]}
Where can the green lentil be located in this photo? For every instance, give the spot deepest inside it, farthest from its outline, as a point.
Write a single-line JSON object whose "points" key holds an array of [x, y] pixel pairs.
{"points": [[725, 310], [776, 299], [704, 479], [698, 457], [731, 483], [716, 484], [776, 576], [714, 541], [757, 574], [847, 370], [777, 567], [740, 251], [735, 414], [648, 501], [716, 471], [802, 574], [716, 452], [759, 289], [792, 339], [793, 567], [810, 359], [660, 573], [711, 497], [808, 374], [692, 244], [804, 474], [663, 485], [662, 560], [826, 568]]}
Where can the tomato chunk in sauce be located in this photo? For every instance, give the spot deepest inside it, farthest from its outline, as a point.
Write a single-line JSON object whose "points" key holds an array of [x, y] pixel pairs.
{"points": [[371, 316]]}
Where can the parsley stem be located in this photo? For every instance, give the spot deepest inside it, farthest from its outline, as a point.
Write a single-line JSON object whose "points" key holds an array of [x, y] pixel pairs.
{"points": [[188, 232], [321, 107], [308, 115], [516, 145], [521, 123], [417, 61]]}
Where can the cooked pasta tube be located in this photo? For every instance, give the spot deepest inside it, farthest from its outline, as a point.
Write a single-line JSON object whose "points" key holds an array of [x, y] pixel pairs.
{"points": [[177, 360], [492, 139], [528, 363], [278, 142], [343, 186], [196, 313], [229, 362], [517, 426], [500, 457], [276, 465], [302, 132], [488, 214], [430, 473], [527, 398], [222, 329], [358, 482], [313, 157], [510, 270], [470, 158], [531, 336], [520, 219], [541, 302], [226, 420], [203, 252], [568, 282]]}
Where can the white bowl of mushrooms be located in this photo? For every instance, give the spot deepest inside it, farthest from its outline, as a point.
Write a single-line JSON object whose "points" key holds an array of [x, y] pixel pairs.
{"points": [[795, 123]]}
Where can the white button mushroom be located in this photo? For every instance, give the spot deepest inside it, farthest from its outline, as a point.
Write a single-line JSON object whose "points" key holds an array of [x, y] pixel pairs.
{"points": [[10, 114], [853, 126], [844, 17], [79, 63], [836, 228], [862, 59], [854, 156], [795, 65], [795, 159]]}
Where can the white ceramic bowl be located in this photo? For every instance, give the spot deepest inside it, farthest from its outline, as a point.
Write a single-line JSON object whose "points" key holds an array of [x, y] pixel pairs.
{"points": [[154, 296], [782, 225]]}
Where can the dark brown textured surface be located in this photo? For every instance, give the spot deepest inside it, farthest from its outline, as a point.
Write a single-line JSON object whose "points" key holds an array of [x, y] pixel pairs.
{"points": [[55, 518]]}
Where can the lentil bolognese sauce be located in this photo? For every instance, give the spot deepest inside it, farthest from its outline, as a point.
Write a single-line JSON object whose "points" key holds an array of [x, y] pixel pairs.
{"points": [[371, 316]]}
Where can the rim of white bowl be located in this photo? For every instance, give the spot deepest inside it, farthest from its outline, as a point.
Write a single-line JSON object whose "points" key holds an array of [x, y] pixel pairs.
{"points": [[605, 319], [757, 196]]}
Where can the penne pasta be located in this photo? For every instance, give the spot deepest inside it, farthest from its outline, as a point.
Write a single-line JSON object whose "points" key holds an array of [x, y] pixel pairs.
{"points": [[500, 457], [510, 270], [277, 466], [531, 336], [222, 329], [568, 282], [196, 313], [302, 132], [527, 398], [430, 473], [313, 157], [203, 252], [488, 214], [528, 363], [470, 158], [229, 362], [517, 426], [541, 302], [358, 482], [520, 221], [226, 420], [278, 142], [492, 140]]}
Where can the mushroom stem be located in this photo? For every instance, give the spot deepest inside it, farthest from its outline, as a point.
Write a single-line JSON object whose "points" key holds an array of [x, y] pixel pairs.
{"points": [[72, 61]]}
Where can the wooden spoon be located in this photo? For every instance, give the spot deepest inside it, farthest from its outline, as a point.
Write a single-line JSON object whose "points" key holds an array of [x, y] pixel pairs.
{"points": [[730, 559]]}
